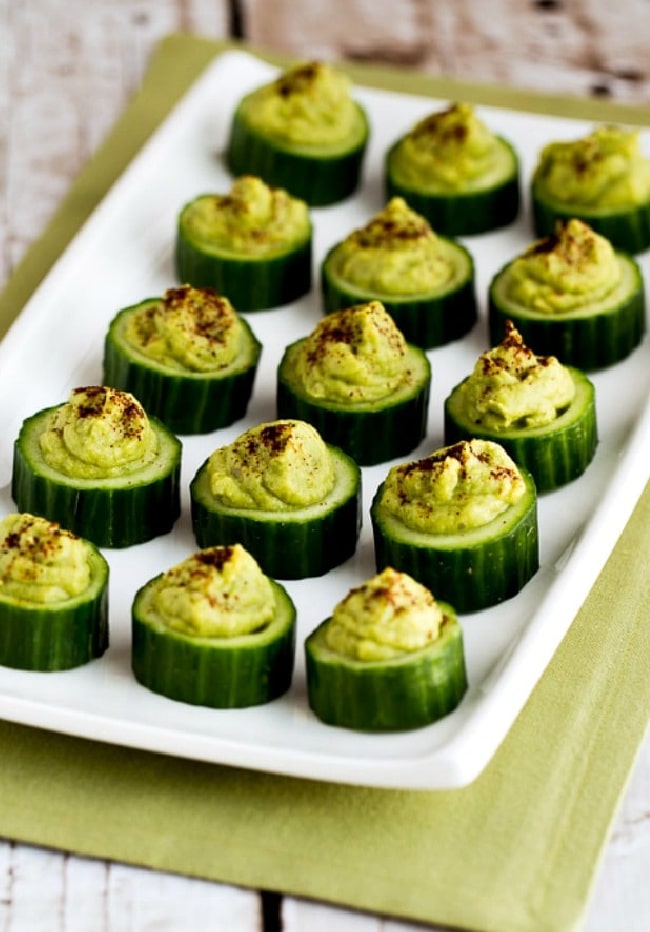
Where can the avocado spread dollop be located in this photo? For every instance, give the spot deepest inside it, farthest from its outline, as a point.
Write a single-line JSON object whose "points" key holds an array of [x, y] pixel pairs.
{"points": [[386, 617], [253, 219], [189, 329], [604, 169], [218, 592], [448, 150], [353, 355], [512, 387], [396, 253], [574, 267], [310, 104], [455, 488], [99, 433], [273, 467], [41, 563]]}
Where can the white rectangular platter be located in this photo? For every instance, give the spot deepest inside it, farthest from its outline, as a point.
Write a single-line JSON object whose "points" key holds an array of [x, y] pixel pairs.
{"points": [[125, 254]]}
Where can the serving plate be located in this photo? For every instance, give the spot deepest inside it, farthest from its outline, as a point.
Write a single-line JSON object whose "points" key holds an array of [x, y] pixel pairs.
{"points": [[124, 254]]}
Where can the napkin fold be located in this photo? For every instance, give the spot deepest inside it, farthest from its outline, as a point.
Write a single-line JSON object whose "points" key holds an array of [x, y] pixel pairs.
{"points": [[516, 850]]}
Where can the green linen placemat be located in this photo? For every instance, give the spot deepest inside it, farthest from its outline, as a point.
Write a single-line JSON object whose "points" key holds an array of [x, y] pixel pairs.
{"points": [[516, 850]]}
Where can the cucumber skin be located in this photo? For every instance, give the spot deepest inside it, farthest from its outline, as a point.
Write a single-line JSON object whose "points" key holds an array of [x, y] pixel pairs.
{"points": [[425, 322], [187, 404], [627, 229], [396, 695], [461, 214], [589, 343], [249, 284], [318, 179], [226, 674], [58, 637], [469, 578], [108, 516], [553, 457], [285, 549]]}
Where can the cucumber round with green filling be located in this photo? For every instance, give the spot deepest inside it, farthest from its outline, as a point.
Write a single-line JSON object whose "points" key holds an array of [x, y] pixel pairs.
{"points": [[113, 512], [52, 633], [554, 454], [296, 543], [186, 400], [593, 336]]}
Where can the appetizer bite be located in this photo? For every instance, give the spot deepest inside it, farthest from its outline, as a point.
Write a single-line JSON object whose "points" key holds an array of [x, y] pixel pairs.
{"points": [[454, 171], [188, 357], [573, 296], [53, 596], [541, 412], [100, 466], [603, 179], [462, 521], [252, 245], [390, 658], [214, 631], [424, 281], [302, 131], [358, 381], [291, 499]]}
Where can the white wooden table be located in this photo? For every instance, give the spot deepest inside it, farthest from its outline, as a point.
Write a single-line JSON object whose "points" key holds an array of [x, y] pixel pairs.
{"points": [[67, 68]]}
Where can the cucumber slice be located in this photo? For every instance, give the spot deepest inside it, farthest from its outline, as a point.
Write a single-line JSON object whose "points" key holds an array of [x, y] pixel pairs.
{"points": [[485, 204], [188, 402], [390, 695], [318, 174], [57, 635], [292, 544], [592, 337], [115, 512], [446, 313], [554, 454], [471, 569], [224, 673], [369, 432], [250, 282]]}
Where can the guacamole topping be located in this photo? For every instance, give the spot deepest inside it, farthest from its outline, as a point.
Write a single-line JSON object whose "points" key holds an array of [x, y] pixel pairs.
{"points": [[603, 169], [455, 488], [310, 104], [448, 150], [98, 433], [273, 467], [574, 267], [386, 617], [219, 592], [355, 354], [253, 219], [41, 563], [512, 387], [396, 253]]}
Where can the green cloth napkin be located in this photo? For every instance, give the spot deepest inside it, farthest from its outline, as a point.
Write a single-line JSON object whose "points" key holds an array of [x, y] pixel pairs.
{"points": [[516, 850]]}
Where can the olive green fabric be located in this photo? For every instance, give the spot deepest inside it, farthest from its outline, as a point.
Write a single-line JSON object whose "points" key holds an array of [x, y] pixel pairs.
{"points": [[516, 850]]}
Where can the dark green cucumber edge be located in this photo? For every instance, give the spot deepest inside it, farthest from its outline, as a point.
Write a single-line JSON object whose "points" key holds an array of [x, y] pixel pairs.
{"points": [[426, 321], [187, 402], [58, 636], [555, 454], [110, 512], [463, 213], [288, 545], [589, 342], [627, 229], [370, 433], [470, 575], [250, 284], [223, 673], [391, 695], [319, 177]]}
